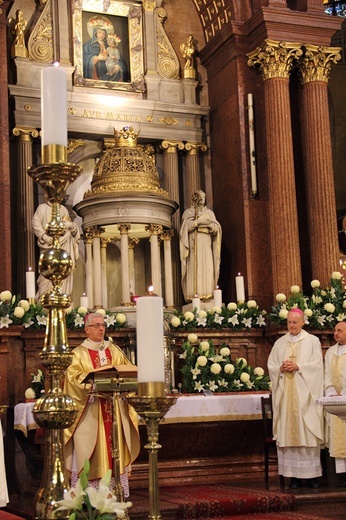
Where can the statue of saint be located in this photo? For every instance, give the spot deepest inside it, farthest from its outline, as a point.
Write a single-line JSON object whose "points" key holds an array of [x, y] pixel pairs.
{"points": [[200, 249], [18, 26], [68, 241]]}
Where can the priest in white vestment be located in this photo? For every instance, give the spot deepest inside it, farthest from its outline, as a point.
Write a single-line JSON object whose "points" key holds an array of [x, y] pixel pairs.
{"points": [[335, 384], [200, 250], [90, 437], [295, 367]]}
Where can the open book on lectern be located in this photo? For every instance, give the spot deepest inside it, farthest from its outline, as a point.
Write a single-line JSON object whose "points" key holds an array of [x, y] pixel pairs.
{"points": [[107, 377]]}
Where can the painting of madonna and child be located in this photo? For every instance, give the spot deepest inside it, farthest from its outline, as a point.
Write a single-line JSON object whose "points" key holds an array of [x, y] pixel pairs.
{"points": [[105, 47]]}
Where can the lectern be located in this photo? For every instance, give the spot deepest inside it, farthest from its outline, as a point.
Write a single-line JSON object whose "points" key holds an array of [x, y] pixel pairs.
{"points": [[112, 383]]}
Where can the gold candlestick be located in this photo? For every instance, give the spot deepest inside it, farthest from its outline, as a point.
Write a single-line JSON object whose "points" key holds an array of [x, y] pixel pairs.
{"points": [[152, 410], [54, 411]]}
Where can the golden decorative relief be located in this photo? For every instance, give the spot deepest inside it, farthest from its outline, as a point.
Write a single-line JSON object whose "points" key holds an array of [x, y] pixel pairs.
{"points": [[124, 228], [17, 27], [168, 121], [149, 119], [27, 107], [317, 61], [72, 111], [195, 148], [40, 46], [171, 146], [125, 167], [188, 122], [74, 144], [167, 60], [275, 58]]}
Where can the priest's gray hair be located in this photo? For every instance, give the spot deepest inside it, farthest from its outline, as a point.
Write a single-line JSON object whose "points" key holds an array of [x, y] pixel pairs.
{"points": [[88, 318]]}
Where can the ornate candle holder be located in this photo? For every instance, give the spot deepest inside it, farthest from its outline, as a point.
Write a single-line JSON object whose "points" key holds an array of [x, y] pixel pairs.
{"points": [[152, 405], [54, 411]]}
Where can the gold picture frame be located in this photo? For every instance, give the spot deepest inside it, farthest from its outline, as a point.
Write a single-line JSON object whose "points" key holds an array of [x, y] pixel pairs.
{"points": [[108, 45]]}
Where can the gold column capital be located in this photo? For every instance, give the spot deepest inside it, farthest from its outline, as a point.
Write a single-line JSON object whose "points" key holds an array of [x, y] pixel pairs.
{"points": [[149, 5], [25, 132], [105, 242], [317, 61], [92, 232], [172, 146], [194, 148], [275, 58], [133, 242], [167, 234], [154, 229], [124, 228]]}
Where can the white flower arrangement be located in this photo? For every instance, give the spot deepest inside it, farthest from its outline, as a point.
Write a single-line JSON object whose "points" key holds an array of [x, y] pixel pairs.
{"points": [[87, 503], [241, 316], [213, 369], [322, 310]]}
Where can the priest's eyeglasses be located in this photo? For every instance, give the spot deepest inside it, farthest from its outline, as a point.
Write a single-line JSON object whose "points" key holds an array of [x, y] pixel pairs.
{"points": [[98, 325]]}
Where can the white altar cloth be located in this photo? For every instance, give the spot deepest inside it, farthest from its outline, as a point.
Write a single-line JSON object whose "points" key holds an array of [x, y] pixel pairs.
{"points": [[220, 407], [3, 484], [23, 418]]}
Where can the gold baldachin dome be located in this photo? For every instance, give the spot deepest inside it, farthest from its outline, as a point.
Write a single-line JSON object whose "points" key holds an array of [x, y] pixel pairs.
{"points": [[125, 168]]}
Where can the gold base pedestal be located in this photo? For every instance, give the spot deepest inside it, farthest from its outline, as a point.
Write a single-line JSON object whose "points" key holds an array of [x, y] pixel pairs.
{"points": [[152, 410]]}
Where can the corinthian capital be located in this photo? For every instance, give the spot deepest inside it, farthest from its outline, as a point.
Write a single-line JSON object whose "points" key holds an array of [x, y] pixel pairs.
{"points": [[275, 58], [317, 61]]}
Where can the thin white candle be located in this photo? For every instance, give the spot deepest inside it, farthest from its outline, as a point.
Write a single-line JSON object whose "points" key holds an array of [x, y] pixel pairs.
{"points": [[252, 150], [150, 348], [217, 297], [196, 303], [54, 106], [30, 279], [240, 288], [84, 301]]}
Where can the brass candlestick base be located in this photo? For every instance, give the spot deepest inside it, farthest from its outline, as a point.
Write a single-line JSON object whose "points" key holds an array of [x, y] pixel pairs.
{"points": [[152, 409], [54, 411]]}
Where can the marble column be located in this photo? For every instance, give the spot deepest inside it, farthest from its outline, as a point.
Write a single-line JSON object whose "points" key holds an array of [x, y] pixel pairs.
{"points": [[192, 180], [132, 271], [97, 278], [315, 69], [275, 60], [25, 237], [171, 184], [88, 239], [166, 237], [125, 274], [104, 292], [154, 232]]}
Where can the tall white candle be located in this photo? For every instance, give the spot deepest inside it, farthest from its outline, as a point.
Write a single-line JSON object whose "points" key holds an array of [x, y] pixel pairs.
{"points": [[30, 279], [196, 303], [84, 301], [252, 150], [217, 297], [54, 106], [240, 288], [150, 348]]}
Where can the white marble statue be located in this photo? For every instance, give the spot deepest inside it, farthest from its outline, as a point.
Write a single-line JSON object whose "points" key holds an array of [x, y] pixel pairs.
{"points": [[68, 242], [200, 249]]}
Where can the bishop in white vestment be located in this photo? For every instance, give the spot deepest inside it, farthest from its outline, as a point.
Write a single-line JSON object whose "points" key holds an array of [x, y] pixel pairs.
{"points": [[295, 367]]}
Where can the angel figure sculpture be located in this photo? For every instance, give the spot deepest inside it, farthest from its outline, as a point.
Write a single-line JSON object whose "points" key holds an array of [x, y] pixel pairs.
{"points": [[188, 50], [18, 26]]}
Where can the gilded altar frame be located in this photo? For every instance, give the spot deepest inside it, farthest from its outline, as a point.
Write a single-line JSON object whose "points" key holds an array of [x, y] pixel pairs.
{"points": [[125, 19]]}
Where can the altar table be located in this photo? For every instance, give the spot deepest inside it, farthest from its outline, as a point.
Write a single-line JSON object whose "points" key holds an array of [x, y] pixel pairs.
{"points": [[232, 406], [24, 419]]}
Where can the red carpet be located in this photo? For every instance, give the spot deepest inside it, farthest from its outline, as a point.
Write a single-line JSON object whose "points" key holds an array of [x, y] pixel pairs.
{"points": [[9, 516], [222, 501]]}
